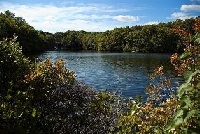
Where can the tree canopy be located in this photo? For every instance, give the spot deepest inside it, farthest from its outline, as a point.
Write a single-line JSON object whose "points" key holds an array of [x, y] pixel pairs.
{"points": [[147, 38]]}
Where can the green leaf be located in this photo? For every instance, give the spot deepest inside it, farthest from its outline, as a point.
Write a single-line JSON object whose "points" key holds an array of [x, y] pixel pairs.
{"points": [[34, 112], [184, 88], [197, 40], [187, 75], [185, 55], [176, 122], [190, 114], [8, 96], [185, 113], [187, 101], [3, 105], [178, 114], [192, 75]]}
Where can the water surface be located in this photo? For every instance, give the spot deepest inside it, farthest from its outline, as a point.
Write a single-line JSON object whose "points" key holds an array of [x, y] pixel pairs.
{"points": [[124, 72]]}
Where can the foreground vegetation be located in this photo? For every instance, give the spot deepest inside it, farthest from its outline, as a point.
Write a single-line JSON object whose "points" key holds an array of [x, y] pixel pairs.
{"points": [[46, 98]]}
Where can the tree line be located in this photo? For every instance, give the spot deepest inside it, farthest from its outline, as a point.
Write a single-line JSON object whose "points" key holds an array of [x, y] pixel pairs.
{"points": [[147, 38]]}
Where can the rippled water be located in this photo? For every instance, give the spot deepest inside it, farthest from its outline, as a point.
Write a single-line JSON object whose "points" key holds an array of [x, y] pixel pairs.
{"points": [[124, 72]]}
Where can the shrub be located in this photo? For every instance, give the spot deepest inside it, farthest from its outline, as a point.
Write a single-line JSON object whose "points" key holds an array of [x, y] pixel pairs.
{"points": [[150, 116], [186, 119], [13, 95], [62, 105]]}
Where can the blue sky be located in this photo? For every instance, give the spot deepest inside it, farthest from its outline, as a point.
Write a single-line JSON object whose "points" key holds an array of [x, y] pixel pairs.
{"points": [[95, 15]]}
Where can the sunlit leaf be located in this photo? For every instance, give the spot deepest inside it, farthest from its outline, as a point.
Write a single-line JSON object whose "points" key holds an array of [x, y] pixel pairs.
{"points": [[33, 112], [190, 114], [187, 75], [185, 55], [8, 96], [192, 75], [178, 114], [186, 87], [197, 40], [187, 101], [176, 122]]}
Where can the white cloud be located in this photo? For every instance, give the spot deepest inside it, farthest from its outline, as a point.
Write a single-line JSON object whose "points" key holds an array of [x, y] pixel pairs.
{"points": [[151, 23], [126, 18], [51, 18], [187, 8], [77, 24], [180, 15]]}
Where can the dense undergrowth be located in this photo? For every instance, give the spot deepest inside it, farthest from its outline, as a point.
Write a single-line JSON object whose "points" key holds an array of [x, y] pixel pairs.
{"points": [[46, 98]]}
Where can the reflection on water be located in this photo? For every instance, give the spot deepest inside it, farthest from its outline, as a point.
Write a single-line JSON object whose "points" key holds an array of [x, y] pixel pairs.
{"points": [[124, 72]]}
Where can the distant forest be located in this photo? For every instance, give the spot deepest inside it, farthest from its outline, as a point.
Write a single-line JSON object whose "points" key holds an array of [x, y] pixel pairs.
{"points": [[158, 38]]}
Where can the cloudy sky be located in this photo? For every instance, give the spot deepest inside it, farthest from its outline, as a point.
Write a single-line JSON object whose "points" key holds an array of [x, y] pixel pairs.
{"points": [[95, 15]]}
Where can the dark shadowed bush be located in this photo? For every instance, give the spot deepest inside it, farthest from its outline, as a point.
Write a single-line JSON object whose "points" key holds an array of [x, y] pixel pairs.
{"points": [[14, 107], [62, 105]]}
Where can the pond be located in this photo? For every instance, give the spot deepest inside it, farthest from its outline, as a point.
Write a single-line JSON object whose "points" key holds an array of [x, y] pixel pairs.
{"points": [[127, 73]]}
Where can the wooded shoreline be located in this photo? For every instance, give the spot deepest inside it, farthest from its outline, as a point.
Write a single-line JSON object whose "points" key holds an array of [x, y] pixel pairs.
{"points": [[158, 38]]}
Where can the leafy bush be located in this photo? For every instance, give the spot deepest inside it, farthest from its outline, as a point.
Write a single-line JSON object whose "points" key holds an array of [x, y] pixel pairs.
{"points": [[13, 64], [150, 117], [13, 103], [187, 117], [62, 105]]}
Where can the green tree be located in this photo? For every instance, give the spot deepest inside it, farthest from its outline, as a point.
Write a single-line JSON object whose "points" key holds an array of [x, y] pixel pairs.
{"points": [[15, 111], [27, 36]]}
